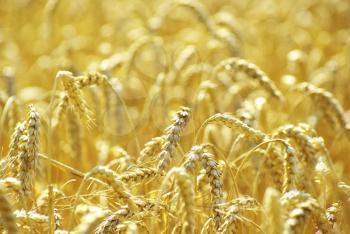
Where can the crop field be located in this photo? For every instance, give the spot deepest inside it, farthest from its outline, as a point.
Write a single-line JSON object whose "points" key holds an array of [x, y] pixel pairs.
{"points": [[174, 116]]}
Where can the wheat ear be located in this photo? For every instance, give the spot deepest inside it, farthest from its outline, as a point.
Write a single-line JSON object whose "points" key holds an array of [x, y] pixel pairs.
{"points": [[274, 163], [220, 34], [290, 164], [231, 216], [299, 206], [92, 78], [110, 224], [195, 70], [230, 121], [253, 71], [210, 165], [308, 145], [111, 178], [214, 174], [137, 175], [29, 149], [172, 137], [151, 149], [75, 96], [12, 156], [184, 57], [327, 104], [115, 61]]}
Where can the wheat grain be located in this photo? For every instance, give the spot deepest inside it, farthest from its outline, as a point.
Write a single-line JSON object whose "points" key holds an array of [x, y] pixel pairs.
{"points": [[332, 212], [57, 220]]}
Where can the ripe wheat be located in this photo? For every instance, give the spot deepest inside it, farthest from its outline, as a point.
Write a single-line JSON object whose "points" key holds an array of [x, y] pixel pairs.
{"points": [[258, 91]]}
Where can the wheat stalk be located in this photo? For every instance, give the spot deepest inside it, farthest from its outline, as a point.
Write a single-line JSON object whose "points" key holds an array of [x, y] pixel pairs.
{"points": [[6, 211], [187, 193]]}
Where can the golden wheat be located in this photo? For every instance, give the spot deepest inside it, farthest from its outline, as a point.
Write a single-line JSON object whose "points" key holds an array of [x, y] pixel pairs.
{"points": [[258, 92]]}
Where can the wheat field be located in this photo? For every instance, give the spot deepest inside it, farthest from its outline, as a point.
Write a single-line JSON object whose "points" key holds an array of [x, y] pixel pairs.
{"points": [[175, 116]]}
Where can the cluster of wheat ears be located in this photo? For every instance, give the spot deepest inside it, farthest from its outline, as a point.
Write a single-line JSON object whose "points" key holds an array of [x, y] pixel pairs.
{"points": [[175, 116]]}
